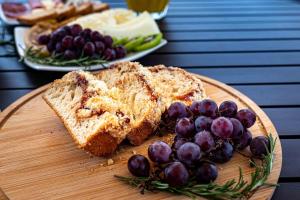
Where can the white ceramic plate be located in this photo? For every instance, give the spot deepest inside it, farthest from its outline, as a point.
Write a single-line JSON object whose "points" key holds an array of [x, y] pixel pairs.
{"points": [[19, 33]]}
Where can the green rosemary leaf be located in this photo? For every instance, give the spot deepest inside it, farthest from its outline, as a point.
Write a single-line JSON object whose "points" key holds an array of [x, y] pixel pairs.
{"points": [[35, 56]]}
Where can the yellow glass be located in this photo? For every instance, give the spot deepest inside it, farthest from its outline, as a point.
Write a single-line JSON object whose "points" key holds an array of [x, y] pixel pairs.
{"points": [[158, 8]]}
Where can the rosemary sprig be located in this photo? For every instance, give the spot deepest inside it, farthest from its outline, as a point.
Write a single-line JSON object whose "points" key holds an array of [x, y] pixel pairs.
{"points": [[35, 56], [232, 189]]}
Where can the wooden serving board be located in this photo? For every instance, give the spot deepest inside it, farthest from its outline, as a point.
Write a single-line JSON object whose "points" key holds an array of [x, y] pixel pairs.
{"points": [[39, 160]]}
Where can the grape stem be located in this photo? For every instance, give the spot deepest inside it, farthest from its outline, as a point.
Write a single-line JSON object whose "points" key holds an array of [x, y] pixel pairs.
{"points": [[232, 189]]}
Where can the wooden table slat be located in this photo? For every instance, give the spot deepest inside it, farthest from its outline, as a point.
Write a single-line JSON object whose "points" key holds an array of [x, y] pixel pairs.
{"points": [[229, 20], [252, 75], [287, 191], [231, 27], [291, 166], [230, 46], [225, 59], [286, 121], [9, 96], [233, 35]]}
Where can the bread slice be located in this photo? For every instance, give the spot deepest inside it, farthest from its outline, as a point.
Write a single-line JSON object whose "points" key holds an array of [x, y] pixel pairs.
{"points": [[65, 12], [99, 7], [99, 117], [37, 16], [133, 78], [173, 84], [84, 8]]}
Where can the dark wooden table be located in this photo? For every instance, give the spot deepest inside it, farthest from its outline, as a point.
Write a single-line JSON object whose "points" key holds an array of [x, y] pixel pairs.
{"points": [[252, 45]]}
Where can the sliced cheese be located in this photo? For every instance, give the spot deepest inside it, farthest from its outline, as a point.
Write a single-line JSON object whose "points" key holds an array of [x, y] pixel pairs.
{"points": [[120, 23]]}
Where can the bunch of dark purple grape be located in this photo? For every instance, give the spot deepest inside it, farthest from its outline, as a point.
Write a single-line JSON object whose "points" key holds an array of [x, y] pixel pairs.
{"points": [[205, 134], [74, 42]]}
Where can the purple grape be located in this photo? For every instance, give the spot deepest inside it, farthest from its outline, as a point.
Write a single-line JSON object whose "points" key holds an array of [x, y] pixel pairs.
{"points": [[96, 36], [43, 39], [206, 172], [67, 42], [259, 146], [238, 128], [86, 34], [206, 107], [108, 41], [120, 52], [222, 127], [222, 153], [78, 42], [176, 174], [68, 30], [189, 153], [59, 48], [159, 152], [228, 109], [177, 110], [69, 55], [51, 46], [178, 142], [205, 140], [243, 141], [139, 166], [109, 54], [76, 29], [203, 123], [58, 35], [89, 49], [185, 128], [99, 47], [246, 117]]}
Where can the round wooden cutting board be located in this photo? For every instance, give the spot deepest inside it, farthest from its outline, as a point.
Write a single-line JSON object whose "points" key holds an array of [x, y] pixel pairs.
{"points": [[39, 160]]}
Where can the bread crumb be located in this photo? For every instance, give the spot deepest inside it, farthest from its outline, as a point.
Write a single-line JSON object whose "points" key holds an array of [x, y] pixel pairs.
{"points": [[110, 162], [133, 152]]}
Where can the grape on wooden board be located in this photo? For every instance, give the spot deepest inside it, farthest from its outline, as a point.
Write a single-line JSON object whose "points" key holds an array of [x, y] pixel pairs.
{"points": [[159, 152], [139, 165]]}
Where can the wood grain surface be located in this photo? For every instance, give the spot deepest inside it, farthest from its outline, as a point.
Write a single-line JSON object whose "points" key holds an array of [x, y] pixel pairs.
{"points": [[38, 159]]}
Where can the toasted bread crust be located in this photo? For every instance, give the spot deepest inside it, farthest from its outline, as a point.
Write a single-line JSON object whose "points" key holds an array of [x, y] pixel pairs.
{"points": [[99, 7], [31, 19], [85, 8], [140, 133], [65, 12], [101, 144]]}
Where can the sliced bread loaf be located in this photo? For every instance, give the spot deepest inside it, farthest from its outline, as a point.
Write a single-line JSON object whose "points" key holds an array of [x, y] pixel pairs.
{"points": [[124, 101], [98, 116]]}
